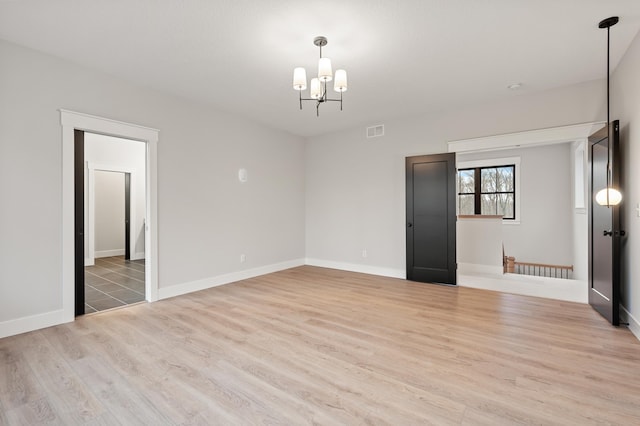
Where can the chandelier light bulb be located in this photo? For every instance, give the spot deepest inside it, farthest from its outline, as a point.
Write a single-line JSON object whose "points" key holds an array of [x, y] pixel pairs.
{"points": [[340, 82], [299, 79], [324, 69], [316, 89]]}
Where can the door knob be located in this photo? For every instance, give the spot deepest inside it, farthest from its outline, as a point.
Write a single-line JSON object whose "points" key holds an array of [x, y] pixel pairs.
{"points": [[607, 233], [409, 225]]}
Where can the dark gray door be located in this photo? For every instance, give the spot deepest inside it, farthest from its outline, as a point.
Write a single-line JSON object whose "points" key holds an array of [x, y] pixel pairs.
{"points": [[604, 230], [127, 216], [431, 218], [79, 220]]}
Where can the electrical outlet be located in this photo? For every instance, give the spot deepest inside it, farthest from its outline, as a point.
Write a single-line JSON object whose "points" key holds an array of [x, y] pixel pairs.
{"points": [[364, 253], [243, 257]]}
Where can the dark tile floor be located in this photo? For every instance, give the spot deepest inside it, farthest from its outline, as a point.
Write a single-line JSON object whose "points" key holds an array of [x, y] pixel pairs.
{"points": [[113, 282]]}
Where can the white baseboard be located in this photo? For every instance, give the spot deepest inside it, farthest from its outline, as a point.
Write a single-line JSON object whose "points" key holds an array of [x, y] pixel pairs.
{"points": [[109, 253], [634, 324], [188, 287], [31, 323], [355, 267], [88, 261], [550, 288]]}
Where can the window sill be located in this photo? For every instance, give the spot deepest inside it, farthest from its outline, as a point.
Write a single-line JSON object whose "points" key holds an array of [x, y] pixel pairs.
{"points": [[489, 216]]}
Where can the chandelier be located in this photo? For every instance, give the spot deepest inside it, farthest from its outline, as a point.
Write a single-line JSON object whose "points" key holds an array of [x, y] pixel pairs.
{"points": [[318, 89]]}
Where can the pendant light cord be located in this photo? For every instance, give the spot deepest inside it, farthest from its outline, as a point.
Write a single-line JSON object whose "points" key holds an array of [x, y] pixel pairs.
{"points": [[608, 23], [608, 30], [608, 118]]}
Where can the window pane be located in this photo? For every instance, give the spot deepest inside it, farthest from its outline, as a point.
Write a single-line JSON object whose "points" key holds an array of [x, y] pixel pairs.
{"points": [[467, 205], [466, 182], [488, 179], [488, 204], [505, 206], [504, 176]]}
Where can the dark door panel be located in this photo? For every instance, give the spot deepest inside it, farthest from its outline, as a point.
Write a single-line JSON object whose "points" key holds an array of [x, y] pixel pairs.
{"points": [[79, 220], [431, 218], [127, 216], [604, 229]]}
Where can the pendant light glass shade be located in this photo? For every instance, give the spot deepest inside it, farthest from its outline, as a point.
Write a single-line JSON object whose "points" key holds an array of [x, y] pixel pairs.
{"points": [[316, 89], [340, 83], [324, 69], [615, 197], [299, 79]]}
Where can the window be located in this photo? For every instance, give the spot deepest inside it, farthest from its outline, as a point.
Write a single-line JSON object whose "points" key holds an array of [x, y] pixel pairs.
{"points": [[488, 190]]}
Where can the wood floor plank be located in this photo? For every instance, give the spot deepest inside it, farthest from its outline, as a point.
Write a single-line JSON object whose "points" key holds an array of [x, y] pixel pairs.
{"points": [[18, 384], [126, 403], [72, 401], [319, 346], [36, 412]]}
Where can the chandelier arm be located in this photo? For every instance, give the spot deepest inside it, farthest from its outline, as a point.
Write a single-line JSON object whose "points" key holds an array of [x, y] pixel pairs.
{"points": [[300, 92]]}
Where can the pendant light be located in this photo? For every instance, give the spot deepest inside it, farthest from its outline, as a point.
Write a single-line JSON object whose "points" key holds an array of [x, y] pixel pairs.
{"points": [[318, 86], [608, 196]]}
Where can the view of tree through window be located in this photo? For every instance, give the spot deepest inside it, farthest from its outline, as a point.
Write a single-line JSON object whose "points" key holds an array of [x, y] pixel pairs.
{"points": [[487, 191], [466, 191]]}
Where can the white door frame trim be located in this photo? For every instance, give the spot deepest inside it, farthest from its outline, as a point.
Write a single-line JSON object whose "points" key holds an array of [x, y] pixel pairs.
{"points": [[71, 121], [90, 192]]}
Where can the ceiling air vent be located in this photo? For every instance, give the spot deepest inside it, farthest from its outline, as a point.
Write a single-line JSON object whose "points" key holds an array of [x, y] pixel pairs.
{"points": [[375, 131]]}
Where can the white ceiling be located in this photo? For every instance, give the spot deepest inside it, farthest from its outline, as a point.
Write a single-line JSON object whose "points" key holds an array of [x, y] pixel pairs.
{"points": [[403, 57]]}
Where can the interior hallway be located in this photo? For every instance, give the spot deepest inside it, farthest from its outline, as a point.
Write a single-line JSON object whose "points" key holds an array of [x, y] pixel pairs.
{"points": [[113, 282]]}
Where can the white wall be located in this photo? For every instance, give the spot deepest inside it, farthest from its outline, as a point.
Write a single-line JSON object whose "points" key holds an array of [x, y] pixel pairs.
{"points": [[625, 106], [479, 245], [206, 218], [111, 153], [356, 186], [544, 233], [109, 214]]}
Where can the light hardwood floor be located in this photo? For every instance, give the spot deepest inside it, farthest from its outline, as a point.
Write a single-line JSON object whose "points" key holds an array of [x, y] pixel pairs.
{"points": [[319, 346]]}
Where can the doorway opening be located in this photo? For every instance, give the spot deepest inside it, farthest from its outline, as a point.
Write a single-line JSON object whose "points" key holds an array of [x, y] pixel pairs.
{"points": [[550, 228], [73, 253], [114, 215], [114, 194]]}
